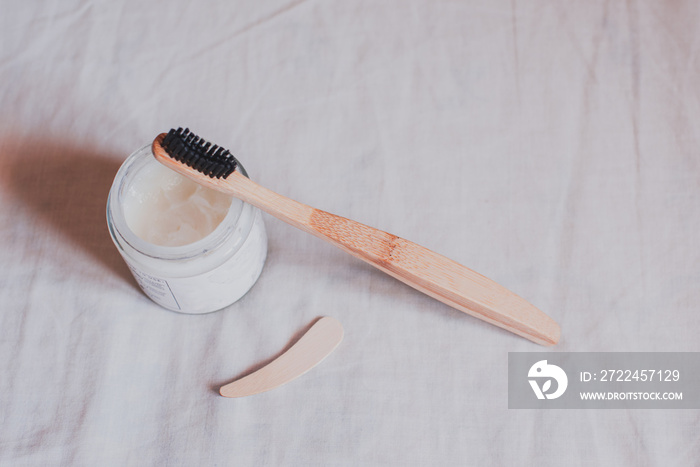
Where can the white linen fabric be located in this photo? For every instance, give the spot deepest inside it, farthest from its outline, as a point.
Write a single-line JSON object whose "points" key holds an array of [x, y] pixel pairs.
{"points": [[551, 146]]}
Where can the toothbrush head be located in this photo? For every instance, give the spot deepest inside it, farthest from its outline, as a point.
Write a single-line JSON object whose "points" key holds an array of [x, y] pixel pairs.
{"points": [[188, 148]]}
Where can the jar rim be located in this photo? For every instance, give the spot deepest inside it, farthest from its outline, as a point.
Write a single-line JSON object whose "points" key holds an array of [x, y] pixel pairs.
{"points": [[121, 232]]}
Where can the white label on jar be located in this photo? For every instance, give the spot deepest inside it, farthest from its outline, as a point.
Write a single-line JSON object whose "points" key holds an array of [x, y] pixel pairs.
{"points": [[156, 288]]}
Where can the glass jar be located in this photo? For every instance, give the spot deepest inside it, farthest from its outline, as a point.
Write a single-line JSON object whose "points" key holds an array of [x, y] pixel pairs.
{"points": [[199, 277]]}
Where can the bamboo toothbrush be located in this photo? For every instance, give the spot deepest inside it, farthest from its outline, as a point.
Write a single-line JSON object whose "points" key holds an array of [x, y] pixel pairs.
{"points": [[422, 269]]}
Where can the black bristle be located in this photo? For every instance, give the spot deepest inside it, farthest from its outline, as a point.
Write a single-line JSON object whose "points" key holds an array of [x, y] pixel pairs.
{"points": [[188, 148]]}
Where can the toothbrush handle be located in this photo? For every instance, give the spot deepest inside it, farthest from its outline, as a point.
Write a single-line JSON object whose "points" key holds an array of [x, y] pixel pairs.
{"points": [[412, 264], [437, 276]]}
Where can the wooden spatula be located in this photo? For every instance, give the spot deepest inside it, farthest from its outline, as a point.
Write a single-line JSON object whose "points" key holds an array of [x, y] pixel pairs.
{"points": [[318, 342]]}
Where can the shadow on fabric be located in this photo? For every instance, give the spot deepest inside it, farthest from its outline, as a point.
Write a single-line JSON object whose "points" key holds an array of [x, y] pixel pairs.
{"points": [[66, 187]]}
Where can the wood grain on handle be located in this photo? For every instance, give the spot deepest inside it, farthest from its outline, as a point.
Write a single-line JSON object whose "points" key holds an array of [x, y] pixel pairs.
{"points": [[439, 277], [422, 269]]}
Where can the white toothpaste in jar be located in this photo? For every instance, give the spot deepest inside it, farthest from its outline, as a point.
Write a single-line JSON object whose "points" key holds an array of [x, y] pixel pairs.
{"points": [[190, 248]]}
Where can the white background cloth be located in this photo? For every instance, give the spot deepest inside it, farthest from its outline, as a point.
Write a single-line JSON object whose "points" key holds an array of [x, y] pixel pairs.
{"points": [[551, 146]]}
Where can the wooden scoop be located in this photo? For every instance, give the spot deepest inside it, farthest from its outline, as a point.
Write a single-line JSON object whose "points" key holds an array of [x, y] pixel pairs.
{"points": [[318, 342]]}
